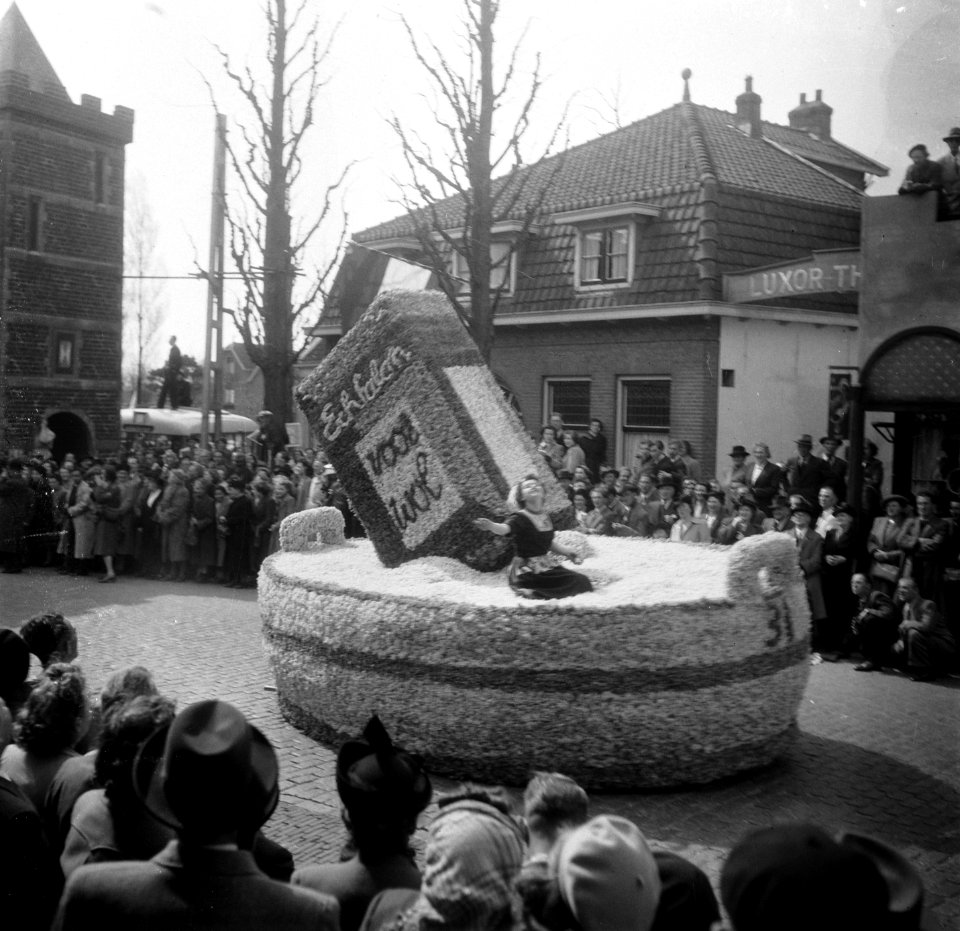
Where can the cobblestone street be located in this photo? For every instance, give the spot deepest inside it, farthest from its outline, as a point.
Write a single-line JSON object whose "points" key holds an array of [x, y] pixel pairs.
{"points": [[876, 753]]}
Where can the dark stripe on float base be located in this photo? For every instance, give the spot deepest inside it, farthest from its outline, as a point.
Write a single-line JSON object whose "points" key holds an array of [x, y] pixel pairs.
{"points": [[583, 681]]}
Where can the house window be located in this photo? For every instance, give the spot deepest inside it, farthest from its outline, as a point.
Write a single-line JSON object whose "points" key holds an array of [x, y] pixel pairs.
{"points": [[727, 378], [646, 404], [605, 255], [570, 398], [231, 365], [643, 413], [34, 219], [64, 353], [229, 397], [501, 269]]}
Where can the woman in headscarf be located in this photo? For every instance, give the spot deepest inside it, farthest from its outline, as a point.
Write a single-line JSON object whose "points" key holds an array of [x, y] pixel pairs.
{"points": [[473, 857]]}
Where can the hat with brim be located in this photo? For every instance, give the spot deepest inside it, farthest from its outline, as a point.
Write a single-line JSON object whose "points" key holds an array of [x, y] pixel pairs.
{"points": [[804, 440], [209, 773], [953, 134], [738, 451], [378, 779], [903, 502], [829, 439], [802, 507]]}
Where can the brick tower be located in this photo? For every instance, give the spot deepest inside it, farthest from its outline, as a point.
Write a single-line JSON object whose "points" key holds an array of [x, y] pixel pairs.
{"points": [[61, 255]]}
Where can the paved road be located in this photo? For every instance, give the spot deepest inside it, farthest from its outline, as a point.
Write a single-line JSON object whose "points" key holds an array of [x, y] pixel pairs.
{"points": [[877, 753]]}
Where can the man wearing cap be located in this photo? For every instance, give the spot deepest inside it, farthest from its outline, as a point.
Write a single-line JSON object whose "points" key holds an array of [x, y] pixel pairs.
{"points": [[216, 785], [950, 172], [632, 518], [736, 471], [836, 467], [805, 474]]}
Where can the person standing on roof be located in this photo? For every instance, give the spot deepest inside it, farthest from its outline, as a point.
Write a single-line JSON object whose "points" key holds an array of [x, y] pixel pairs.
{"points": [[171, 377]]}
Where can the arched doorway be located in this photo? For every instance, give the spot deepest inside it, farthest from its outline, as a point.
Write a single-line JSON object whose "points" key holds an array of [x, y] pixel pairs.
{"points": [[72, 435], [916, 376]]}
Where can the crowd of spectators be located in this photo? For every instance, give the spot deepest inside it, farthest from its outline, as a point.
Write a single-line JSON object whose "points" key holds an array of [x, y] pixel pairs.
{"points": [[205, 515], [123, 813], [899, 551]]}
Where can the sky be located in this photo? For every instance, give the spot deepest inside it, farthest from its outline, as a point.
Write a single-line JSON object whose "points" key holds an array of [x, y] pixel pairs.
{"points": [[887, 68]]}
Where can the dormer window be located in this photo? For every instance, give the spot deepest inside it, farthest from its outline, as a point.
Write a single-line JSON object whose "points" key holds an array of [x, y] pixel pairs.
{"points": [[605, 255], [606, 243], [502, 269]]}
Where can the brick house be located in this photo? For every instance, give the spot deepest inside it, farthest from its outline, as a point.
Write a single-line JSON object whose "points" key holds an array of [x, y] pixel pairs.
{"points": [[693, 274], [61, 217]]}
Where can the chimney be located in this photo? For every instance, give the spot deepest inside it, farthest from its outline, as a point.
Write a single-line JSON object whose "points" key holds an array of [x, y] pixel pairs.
{"points": [[748, 112], [812, 117]]}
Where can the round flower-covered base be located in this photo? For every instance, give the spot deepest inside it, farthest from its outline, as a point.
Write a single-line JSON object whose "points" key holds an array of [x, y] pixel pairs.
{"points": [[687, 663]]}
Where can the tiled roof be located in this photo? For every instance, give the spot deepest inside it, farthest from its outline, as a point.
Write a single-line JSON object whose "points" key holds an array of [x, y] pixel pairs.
{"points": [[770, 206], [656, 154], [826, 151]]}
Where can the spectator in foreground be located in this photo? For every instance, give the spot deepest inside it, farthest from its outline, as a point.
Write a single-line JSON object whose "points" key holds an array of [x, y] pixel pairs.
{"points": [[383, 789], [925, 648], [217, 782], [54, 717], [795, 877], [873, 629], [51, 638], [473, 857]]}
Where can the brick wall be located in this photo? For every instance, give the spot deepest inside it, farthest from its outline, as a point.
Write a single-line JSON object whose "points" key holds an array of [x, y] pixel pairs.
{"points": [[685, 349]]}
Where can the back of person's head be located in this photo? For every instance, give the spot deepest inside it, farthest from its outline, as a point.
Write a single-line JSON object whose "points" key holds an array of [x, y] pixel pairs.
{"points": [[51, 638], [383, 789], [55, 714], [687, 901], [124, 731], [606, 876], [796, 877], [6, 725], [473, 856], [552, 800], [218, 778], [14, 665], [124, 685]]}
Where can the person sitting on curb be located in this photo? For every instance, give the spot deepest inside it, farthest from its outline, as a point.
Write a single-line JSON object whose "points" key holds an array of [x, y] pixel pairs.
{"points": [[216, 784], [925, 648], [873, 629], [383, 789]]}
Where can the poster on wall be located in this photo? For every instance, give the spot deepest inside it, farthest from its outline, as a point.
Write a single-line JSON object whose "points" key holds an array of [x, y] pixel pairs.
{"points": [[838, 412]]}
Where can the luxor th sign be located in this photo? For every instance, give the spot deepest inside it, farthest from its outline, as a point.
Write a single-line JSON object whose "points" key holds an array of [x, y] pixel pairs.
{"points": [[828, 271]]}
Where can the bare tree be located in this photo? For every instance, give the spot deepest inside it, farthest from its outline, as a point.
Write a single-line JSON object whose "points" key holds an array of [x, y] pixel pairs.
{"points": [[470, 98], [144, 302], [469, 101], [266, 246]]}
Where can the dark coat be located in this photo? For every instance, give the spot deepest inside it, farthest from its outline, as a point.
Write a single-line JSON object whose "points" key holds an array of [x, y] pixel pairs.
{"points": [[203, 517], [806, 478], [173, 514], [106, 504], [810, 554], [767, 485], [187, 889], [15, 504]]}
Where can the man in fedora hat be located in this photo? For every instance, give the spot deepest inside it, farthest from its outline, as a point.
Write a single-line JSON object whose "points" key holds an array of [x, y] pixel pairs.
{"points": [[216, 784], [736, 471], [950, 172], [805, 474]]}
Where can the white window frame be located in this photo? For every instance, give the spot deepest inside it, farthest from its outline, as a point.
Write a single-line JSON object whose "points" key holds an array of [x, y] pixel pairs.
{"points": [[625, 449], [547, 400], [593, 285], [230, 396], [460, 270]]}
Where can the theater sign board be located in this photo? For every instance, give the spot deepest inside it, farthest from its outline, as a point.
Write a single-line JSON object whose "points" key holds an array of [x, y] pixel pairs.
{"points": [[830, 271]]}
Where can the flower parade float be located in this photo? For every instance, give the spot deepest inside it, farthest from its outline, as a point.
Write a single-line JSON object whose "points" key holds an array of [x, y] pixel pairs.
{"points": [[685, 664]]}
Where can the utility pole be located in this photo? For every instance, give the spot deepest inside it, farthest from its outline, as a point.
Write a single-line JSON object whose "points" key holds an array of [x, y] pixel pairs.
{"points": [[212, 368]]}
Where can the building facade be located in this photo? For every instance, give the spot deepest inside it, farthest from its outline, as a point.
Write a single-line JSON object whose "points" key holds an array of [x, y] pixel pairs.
{"points": [[61, 223], [683, 279]]}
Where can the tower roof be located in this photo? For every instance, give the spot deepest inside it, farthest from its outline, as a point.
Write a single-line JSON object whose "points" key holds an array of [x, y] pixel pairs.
{"points": [[21, 53]]}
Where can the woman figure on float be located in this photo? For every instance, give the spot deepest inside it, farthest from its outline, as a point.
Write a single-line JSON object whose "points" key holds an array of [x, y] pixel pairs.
{"points": [[531, 574]]}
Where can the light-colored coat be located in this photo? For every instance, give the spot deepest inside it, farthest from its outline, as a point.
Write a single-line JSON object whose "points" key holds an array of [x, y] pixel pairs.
{"points": [[84, 522]]}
